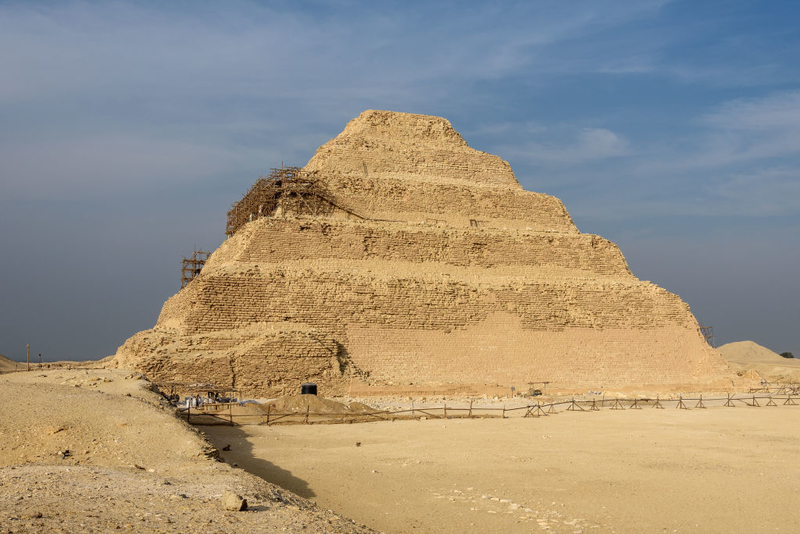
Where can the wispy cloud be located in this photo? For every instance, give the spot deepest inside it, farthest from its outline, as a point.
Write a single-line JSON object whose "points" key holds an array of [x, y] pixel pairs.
{"points": [[78, 47], [744, 131], [765, 192], [116, 95], [114, 165], [580, 146], [772, 114], [740, 158]]}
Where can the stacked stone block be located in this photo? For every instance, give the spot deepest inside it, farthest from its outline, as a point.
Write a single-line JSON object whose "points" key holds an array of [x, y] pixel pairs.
{"points": [[452, 275]]}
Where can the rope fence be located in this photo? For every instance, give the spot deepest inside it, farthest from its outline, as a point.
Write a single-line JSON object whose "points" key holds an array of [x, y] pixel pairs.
{"points": [[216, 414]]}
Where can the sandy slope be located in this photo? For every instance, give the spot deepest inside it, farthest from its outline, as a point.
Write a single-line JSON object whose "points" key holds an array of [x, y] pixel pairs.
{"points": [[749, 355], [714, 470], [132, 465], [7, 365]]}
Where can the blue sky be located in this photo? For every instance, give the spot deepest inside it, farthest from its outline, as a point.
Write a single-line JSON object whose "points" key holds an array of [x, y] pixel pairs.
{"points": [[128, 128]]}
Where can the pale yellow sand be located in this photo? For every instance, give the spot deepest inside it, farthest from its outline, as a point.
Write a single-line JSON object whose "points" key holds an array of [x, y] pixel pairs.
{"points": [[7, 366], [746, 355], [131, 464], [714, 470]]}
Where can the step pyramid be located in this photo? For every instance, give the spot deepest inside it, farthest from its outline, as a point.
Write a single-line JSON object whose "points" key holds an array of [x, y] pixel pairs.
{"points": [[401, 256]]}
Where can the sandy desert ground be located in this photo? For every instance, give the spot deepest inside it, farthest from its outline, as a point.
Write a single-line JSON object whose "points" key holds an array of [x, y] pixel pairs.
{"points": [[133, 466], [713, 470], [745, 355], [97, 451]]}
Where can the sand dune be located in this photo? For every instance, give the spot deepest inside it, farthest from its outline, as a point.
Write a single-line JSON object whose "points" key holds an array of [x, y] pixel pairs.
{"points": [[747, 355]]}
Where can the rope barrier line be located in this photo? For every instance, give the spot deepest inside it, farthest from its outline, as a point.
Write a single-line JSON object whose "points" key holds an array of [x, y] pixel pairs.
{"points": [[700, 403], [223, 414]]}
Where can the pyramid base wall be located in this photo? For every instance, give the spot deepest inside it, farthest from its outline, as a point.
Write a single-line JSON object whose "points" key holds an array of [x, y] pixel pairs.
{"points": [[499, 352]]}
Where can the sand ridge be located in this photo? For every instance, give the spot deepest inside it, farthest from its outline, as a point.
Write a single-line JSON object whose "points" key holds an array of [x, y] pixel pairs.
{"points": [[8, 366], [98, 451]]}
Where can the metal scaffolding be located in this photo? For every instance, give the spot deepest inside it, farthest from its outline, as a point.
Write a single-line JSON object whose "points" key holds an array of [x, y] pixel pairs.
{"points": [[285, 190], [708, 333], [192, 266]]}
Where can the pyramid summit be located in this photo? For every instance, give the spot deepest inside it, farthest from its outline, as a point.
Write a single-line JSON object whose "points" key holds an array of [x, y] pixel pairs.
{"points": [[401, 256], [390, 145]]}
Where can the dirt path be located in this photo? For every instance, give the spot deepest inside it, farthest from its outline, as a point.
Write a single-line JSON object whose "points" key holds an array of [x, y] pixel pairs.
{"points": [[715, 470]]}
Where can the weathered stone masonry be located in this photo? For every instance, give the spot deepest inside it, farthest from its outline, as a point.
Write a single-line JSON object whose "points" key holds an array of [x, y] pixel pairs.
{"points": [[451, 273]]}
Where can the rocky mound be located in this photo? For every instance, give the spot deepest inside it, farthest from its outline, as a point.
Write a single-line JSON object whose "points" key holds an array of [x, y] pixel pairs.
{"points": [[748, 355], [750, 352], [314, 404]]}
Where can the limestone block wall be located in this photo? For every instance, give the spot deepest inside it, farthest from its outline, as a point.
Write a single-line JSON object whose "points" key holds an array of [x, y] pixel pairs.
{"points": [[455, 203], [496, 351], [256, 362], [431, 329], [279, 240], [405, 167], [330, 299], [384, 144]]}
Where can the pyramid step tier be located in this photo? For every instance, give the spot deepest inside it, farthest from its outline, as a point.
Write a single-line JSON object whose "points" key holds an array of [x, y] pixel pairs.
{"points": [[274, 240]]}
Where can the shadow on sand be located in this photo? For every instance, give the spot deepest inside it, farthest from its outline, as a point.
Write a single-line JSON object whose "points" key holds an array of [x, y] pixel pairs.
{"points": [[243, 454]]}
